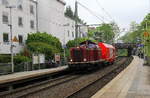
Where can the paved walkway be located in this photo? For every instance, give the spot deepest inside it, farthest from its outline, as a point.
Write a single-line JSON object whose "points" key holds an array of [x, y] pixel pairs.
{"points": [[28, 74], [133, 82]]}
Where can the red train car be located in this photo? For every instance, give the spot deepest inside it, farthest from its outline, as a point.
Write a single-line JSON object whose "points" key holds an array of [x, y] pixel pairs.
{"points": [[108, 52], [91, 54]]}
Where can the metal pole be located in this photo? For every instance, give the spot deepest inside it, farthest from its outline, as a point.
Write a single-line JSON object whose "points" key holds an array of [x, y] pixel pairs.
{"points": [[37, 21], [64, 56], [39, 61], [76, 21], [64, 48], [11, 38]]}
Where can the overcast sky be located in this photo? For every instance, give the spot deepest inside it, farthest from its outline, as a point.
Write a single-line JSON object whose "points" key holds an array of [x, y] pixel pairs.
{"points": [[122, 11]]}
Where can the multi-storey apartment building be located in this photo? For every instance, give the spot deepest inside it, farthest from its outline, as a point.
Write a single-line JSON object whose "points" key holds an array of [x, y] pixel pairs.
{"points": [[23, 22], [69, 29], [31, 16], [52, 20]]}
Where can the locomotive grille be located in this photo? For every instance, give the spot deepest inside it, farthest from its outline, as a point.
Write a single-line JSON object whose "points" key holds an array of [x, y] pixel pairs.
{"points": [[77, 55]]}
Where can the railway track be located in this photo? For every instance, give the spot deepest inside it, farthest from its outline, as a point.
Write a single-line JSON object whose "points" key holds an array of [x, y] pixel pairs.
{"points": [[92, 88], [65, 86], [33, 88]]}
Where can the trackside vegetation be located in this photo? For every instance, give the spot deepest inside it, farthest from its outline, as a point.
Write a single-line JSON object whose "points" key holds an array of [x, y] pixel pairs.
{"points": [[43, 43]]}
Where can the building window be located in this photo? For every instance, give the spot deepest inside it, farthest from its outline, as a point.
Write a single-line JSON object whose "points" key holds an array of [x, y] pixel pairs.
{"points": [[20, 7], [72, 34], [32, 24], [31, 9], [4, 2], [68, 33], [20, 21], [20, 37], [5, 37], [80, 34], [73, 26], [5, 18]]}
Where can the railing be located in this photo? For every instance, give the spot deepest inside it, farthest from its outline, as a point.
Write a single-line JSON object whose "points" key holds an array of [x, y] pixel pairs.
{"points": [[5, 68]]}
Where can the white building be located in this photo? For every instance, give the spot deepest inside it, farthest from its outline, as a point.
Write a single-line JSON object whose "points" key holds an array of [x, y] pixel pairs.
{"points": [[32, 16], [52, 20], [83, 30], [23, 22], [69, 29]]}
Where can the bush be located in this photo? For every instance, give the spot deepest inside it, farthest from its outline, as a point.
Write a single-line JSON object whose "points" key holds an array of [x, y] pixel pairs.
{"points": [[5, 58], [17, 59], [39, 47], [21, 59], [44, 38], [19, 62], [43, 43]]}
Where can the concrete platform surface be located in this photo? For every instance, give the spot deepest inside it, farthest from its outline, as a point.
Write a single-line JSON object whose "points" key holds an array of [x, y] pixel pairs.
{"points": [[28, 74], [133, 82]]}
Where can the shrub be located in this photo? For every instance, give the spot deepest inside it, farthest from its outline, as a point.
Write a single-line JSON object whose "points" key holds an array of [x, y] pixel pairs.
{"points": [[44, 38], [43, 43], [21, 59], [39, 47], [5, 58], [17, 59]]}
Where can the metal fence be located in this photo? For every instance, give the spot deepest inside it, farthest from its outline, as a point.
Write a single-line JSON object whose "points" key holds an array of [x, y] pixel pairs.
{"points": [[5, 68]]}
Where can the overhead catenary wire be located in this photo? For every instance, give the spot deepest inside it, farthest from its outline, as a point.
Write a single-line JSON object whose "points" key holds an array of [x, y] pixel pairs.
{"points": [[104, 10], [98, 17]]}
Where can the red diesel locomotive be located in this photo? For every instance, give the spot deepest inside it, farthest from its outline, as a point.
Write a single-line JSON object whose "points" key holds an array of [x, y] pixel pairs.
{"points": [[89, 54]]}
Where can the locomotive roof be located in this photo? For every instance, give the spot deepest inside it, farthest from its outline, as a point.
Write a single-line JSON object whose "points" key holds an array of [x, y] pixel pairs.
{"points": [[87, 42], [107, 45]]}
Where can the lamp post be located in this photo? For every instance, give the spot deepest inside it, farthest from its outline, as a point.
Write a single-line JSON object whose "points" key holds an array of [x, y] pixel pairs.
{"points": [[11, 36]]}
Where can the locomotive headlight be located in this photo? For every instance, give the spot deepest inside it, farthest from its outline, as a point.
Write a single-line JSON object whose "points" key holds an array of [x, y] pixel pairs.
{"points": [[71, 60], [84, 60]]}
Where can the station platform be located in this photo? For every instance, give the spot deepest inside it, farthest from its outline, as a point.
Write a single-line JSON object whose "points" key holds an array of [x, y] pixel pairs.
{"points": [[28, 74], [133, 82]]}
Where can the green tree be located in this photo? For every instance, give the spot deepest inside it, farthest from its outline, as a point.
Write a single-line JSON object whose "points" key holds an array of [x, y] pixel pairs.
{"points": [[133, 26], [145, 24], [136, 32], [105, 33], [44, 38], [133, 34], [116, 30], [69, 12], [146, 39], [91, 32], [43, 43]]}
